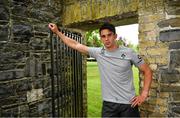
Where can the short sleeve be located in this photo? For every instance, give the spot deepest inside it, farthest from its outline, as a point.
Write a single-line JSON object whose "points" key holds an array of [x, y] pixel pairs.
{"points": [[93, 51], [136, 59]]}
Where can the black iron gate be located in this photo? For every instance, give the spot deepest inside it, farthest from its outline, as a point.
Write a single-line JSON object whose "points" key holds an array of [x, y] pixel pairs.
{"points": [[66, 77]]}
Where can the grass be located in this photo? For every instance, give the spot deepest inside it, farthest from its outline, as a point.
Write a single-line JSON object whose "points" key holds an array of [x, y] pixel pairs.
{"points": [[94, 89]]}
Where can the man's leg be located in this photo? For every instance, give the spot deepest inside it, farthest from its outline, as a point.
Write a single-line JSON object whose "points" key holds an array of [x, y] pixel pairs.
{"points": [[110, 109], [128, 111]]}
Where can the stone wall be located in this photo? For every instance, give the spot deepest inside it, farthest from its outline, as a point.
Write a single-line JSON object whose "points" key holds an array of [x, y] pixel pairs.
{"points": [[159, 45], [169, 75], [25, 84]]}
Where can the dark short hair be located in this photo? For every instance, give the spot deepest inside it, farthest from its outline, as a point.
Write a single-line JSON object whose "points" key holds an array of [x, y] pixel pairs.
{"points": [[108, 26]]}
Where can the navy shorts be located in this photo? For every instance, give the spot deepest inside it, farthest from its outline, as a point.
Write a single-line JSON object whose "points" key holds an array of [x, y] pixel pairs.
{"points": [[110, 109]]}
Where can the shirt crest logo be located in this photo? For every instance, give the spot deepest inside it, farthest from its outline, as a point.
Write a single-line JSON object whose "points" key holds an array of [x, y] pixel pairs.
{"points": [[123, 56]]}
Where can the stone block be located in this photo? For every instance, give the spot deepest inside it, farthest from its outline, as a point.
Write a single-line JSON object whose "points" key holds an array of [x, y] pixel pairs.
{"points": [[4, 13], [11, 74], [151, 108], [6, 90], [34, 95], [154, 85], [164, 94], [22, 85], [38, 44], [169, 88], [10, 112], [176, 110], [151, 18], [22, 32], [30, 67], [174, 45], [157, 114], [161, 60], [23, 110], [173, 22], [174, 59], [4, 2], [4, 33], [43, 15], [173, 2], [163, 109], [157, 51], [153, 93], [170, 35], [6, 75], [147, 27], [38, 83], [173, 11], [169, 77], [153, 67], [176, 96]]}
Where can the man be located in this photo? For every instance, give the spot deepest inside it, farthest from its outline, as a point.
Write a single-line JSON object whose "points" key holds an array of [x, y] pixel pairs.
{"points": [[115, 66]]}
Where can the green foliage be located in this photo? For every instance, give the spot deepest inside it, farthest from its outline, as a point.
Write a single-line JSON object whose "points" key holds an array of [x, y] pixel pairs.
{"points": [[93, 39], [123, 41]]}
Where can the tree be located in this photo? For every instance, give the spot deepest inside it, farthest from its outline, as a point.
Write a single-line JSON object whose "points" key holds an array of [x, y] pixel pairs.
{"points": [[93, 39]]}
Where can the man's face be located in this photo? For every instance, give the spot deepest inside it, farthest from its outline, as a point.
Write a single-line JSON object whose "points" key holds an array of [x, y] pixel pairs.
{"points": [[108, 38]]}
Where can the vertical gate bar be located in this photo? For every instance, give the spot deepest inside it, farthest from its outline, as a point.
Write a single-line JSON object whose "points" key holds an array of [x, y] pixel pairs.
{"points": [[77, 67], [62, 77], [52, 73], [65, 79], [77, 97], [71, 84], [79, 59], [73, 80], [69, 70], [60, 74], [75, 84], [79, 79], [81, 76], [64, 92], [57, 74], [68, 95], [69, 79]]}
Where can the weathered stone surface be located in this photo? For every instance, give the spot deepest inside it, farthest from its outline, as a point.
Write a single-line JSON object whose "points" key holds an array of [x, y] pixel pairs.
{"points": [[6, 90], [11, 57], [4, 12], [176, 96], [22, 33], [173, 22], [4, 33], [173, 2], [38, 44], [169, 88], [170, 35], [34, 95], [174, 45], [174, 59], [169, 77], [173, 11]]}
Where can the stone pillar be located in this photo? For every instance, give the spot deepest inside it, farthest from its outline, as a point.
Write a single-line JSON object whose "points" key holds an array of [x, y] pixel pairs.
{"points": [[159, 43], [169, 76]]}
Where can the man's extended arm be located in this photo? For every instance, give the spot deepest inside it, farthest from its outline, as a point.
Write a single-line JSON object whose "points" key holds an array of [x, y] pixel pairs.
{"points": [[138, 100], [68, 41]]}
